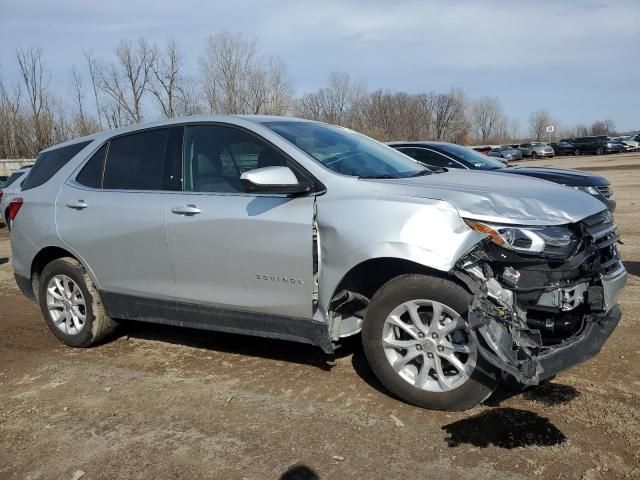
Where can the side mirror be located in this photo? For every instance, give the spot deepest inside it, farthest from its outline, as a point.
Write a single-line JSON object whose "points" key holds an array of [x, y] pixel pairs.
{"points": [[273, 180]]}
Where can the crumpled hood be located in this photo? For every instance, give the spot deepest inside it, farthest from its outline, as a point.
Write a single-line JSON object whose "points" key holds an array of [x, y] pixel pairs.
{"points": [[496, 197]]}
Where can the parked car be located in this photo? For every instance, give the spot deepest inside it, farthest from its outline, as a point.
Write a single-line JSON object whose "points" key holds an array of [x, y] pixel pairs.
{"points": [[536, 149], [483, 150], [304, 231], [506, 152], [449, 155], [630, 145], [562, 147], [598, 145], [10, 190]]}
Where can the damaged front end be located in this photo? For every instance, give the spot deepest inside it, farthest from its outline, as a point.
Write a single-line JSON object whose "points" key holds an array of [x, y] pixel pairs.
{"points": [[544, 297]]}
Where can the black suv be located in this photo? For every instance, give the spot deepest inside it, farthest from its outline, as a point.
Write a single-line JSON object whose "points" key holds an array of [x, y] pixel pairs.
{"points": [[563, 147], [599, 145], [449, 155]]}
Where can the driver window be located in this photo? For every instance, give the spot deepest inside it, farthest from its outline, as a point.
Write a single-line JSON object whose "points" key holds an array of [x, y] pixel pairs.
{"points": [[429, 157], [216, 156]]}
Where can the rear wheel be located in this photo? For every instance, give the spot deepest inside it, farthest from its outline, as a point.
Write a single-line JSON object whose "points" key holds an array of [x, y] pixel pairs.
{"points": [[419, 344], [576, 152], [534, 155], [71, 304], [599, 151]]}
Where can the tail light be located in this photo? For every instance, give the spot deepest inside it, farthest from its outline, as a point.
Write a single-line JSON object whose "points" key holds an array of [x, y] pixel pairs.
{"points": [[14, 208]]}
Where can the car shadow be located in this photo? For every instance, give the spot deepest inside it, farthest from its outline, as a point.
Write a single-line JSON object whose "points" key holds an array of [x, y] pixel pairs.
{"points": [[504, 428], [633, 268], [232, 343], [547, 393]]}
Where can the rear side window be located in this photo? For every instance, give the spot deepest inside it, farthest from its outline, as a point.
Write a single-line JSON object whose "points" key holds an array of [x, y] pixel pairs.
{"points": [[91, 173], [136, 162], [12, 179], [48, 164]]}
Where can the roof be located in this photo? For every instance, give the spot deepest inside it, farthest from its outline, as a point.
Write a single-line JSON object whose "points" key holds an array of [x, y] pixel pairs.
{"points": [[233, 119]]}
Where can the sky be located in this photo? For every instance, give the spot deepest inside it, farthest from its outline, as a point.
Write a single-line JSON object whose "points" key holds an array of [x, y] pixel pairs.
{"points": [[579, 59]]}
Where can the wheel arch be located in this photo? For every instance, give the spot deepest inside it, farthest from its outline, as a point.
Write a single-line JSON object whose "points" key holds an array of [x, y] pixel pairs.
{"points": [[45, 256], [353, 293]]}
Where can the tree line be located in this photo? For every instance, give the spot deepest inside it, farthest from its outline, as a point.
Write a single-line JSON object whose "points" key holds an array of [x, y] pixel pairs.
{"points": [[143, 81]]}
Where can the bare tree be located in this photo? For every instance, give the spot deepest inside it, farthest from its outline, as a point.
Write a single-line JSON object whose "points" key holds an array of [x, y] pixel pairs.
{"points": [[449, 119], [486, 117], [127, 79], [603, 127], [167, 78], [39, 100], [538, 122], [237, 79], [92, 66], [81, 122]]}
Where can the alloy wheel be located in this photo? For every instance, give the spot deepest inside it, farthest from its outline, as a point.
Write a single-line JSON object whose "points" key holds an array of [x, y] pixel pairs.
{"points": [[66, 304], [429, 345]]}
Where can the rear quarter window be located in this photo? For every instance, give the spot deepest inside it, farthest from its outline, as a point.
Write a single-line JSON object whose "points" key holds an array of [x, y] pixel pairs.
{"points": [[49, 163]]}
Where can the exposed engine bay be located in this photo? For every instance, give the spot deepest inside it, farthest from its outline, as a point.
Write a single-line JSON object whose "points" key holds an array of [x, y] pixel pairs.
{"points": [[541, 304]]}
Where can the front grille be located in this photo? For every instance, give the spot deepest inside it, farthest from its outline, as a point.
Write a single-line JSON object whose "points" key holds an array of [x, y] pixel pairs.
{"points": [[605, 191], [601, 228]]}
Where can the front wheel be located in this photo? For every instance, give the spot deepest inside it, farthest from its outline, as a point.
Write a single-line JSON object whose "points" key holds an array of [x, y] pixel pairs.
{"points": [[534, 155], [418, 343]]}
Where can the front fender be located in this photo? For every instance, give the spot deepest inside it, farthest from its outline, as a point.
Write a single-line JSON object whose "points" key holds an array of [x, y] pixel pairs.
{"points": [[424, 231]]}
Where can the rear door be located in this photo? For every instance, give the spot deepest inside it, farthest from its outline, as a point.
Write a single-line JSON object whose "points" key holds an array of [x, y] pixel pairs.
{"points": [[112, 213], [231, 249]]}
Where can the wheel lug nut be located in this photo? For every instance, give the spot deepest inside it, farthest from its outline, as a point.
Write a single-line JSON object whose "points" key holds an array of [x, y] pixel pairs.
{"points": [[440, 348], [418, 347], [434, 335], [421, 335], [429, 355]]}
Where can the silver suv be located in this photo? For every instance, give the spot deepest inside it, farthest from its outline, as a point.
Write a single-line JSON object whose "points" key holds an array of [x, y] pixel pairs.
{"points": [[536, 149], [303, 231]]}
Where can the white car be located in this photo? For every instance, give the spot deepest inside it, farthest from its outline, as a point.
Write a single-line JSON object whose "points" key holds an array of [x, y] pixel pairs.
{"points": [[629, 143], [10, 189]]}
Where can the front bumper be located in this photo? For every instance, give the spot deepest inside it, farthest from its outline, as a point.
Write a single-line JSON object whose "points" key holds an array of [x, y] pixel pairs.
{"points": [[586, 346]]}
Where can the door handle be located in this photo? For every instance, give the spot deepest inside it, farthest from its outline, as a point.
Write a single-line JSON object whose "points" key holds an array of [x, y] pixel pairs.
{"points": [[188, 210], [77, 205]]}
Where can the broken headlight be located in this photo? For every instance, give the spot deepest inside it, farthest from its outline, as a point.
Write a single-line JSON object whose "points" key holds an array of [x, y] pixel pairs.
{"points": [[556, 241]]}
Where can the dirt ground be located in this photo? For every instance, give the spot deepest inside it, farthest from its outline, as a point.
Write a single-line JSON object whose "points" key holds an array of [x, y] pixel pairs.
{"points": [[161, 402]]}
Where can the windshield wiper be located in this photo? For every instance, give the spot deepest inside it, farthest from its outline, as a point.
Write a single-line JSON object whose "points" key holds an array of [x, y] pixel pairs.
{"points": [[369, 177], [421, 173]]}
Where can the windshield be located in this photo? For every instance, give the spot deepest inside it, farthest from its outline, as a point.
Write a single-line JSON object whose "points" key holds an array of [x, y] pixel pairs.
{"points": [[347, 152], [471, 158]]}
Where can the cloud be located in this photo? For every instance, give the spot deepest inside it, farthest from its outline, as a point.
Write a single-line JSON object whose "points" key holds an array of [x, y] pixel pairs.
{"points": [[559, 52]]}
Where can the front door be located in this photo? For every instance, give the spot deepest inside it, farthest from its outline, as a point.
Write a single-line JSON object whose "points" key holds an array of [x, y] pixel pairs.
{"points": [[231, 249]]}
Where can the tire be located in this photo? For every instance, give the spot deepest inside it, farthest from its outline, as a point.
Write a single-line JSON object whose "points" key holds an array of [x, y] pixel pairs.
{"points": [[599, 151], [466, 390], [77, 332], [576, 152], [534, 155]]}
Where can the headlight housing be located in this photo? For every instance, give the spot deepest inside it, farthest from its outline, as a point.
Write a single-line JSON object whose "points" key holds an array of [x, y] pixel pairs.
{"points": [[590, 190], [554, 241]]}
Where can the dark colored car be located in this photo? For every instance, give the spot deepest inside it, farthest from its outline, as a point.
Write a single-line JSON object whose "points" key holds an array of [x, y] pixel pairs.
{"points": [[449, 155], [563, 147], [598, 145], [483, 150]]}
